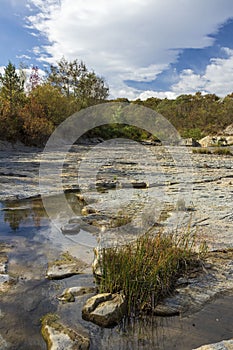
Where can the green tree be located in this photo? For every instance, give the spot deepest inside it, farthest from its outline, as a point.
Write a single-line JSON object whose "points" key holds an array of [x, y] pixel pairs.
{"points": [[74, 79], [12, 88], [12, 98]]}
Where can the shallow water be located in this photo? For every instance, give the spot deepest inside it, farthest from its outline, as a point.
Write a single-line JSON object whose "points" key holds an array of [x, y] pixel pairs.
{"points": [[36, 240], [24, 224]]}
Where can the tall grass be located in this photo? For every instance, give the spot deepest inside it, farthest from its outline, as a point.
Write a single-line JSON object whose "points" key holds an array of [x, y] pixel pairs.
{"points": [[147, 270]]}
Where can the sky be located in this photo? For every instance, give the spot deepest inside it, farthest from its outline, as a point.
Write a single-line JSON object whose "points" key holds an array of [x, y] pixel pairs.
{"points": [[142, 48]]}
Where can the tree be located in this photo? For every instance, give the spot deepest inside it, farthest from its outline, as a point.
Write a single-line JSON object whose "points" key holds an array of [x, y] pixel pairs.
{"points": [[74, 79], [34, 79], [12, 98], [12, 88]]}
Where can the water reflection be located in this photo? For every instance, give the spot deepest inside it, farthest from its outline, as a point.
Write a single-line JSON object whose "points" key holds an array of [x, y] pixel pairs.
{"points": [[31, 213]]}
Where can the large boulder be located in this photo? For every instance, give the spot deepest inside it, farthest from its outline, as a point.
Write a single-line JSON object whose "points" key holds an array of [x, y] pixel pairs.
{"points": [[105, 310], [223, 345]]}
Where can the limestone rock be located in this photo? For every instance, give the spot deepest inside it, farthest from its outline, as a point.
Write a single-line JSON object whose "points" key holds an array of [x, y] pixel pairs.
{"points": [[229, 130], [105, 310], [66, 266], [69, 294], [223, 345], [60, 337]]}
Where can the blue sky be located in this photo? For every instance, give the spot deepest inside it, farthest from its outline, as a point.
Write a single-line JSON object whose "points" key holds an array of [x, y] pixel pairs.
{"points": [[142, 48]]}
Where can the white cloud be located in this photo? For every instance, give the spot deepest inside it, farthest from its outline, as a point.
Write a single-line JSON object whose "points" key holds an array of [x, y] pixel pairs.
{"points": [[133, 39], [216, 79]]}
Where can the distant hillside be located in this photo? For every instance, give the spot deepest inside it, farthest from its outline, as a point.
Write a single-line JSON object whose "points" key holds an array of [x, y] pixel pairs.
{"points": [[195, 115]]}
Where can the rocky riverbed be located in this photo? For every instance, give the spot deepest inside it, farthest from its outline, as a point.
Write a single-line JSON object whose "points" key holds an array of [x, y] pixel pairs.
{"points": [[114, 192]]}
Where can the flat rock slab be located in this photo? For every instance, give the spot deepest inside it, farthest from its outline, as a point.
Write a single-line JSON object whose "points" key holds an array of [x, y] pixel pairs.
{"points": [[194, 292], [64, 267], [105, 310], [223, 345]]}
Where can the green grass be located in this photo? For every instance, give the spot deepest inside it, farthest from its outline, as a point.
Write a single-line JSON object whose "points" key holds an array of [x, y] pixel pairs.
{"points": [[225, 151], [147, 270], [201, 150]]}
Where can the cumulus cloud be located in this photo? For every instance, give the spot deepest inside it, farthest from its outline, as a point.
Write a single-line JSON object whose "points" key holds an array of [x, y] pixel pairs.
{"points": [[134, 39], [217, 77]]}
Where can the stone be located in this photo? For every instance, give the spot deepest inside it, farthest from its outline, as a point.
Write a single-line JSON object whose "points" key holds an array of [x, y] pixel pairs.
{"points": [[87, 210], [69, 294], [202, 286], [228, 130], [223, 345], [105, 310], [60, 337], [66, 266], [3, 263], [3, 343]]}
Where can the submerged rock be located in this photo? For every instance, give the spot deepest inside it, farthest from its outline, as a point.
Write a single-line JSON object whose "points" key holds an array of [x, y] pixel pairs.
{"points": [[60, 337], [223, 345], [69, 294], [105, 310], [66, 266]]}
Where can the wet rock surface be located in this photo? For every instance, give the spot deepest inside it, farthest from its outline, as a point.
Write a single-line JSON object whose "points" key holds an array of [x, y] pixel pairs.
{"points": [[60, 337], [105, 310], [64, 267], [192, 293], [223, 345]]}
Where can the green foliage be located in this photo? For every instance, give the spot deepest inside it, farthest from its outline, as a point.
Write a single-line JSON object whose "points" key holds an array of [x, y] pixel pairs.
{"points": [[225, 151], [201, 150], [146, 270], [194, 133], [73, 78], [12, 98]]}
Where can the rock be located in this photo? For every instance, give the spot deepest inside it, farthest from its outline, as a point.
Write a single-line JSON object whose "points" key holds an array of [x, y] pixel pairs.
{"points": [[216, 140], [71, 228], [3, 343], [3, 263], [96, 263], [223, 345], [189, 142], [66, 266], [228, 130], [60, 337], [69, 294], [105, 310], [202, 286], [88, 210]]}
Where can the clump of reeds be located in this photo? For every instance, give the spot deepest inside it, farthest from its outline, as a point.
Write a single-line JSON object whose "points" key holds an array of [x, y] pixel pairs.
{"points": [[225, 151], [147, 269], [201, 151]]}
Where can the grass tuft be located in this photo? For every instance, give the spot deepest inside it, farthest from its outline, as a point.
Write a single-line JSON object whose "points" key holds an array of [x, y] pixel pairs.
{"points": [[147, 270]]}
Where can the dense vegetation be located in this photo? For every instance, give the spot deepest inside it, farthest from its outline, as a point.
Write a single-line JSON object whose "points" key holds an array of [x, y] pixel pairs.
{"points": [[30, 112]]}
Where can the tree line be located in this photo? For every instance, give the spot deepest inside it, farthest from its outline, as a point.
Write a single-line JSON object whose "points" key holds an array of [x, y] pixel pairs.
{"points": [[30, 109]]}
